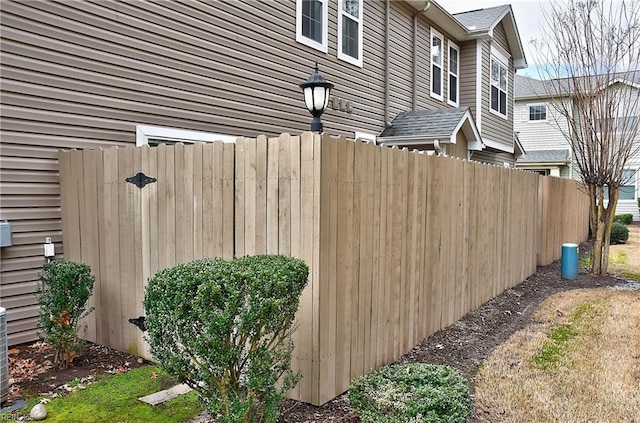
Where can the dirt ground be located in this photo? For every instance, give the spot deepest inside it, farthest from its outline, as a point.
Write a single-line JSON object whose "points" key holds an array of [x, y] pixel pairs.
{"points": [[464, 345]]}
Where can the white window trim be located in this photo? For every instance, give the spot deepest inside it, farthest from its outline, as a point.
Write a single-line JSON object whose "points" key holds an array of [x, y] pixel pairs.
{"points": [[503, 64], [365, 136], [341, 55], [325, 24], [433, 94], [454, 46], [528, 112], [174, 135]]}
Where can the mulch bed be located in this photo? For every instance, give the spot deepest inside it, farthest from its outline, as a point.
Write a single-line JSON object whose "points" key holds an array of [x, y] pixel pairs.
{"points": [[464, 345]]}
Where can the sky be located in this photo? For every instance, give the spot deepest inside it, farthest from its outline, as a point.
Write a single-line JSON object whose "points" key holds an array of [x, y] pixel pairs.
{"points": [[528, 15]]}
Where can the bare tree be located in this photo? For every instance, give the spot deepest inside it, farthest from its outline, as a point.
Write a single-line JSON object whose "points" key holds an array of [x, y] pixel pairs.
{"points": [[590, 55]]}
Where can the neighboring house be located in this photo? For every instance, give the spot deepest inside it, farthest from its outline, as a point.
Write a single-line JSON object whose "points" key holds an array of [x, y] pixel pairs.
{"points": [[542, 131], [116, 73]]}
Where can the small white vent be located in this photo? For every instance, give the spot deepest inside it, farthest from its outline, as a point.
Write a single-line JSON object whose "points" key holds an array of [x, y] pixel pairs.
{"points": [[4, 357]]}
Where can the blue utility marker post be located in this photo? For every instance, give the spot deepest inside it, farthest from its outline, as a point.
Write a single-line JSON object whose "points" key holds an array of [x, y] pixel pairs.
{"points": [[569, 268]]}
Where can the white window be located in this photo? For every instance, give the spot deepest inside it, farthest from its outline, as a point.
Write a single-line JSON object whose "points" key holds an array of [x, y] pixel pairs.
{"points": [[311, 23], [537, 112], [618, 124], [154, 135], [350, 31], [436, 64], [454, 72], [498, 87], [628, 187]]}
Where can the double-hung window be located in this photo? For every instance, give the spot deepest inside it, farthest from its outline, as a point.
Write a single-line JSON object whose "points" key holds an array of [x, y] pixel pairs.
{"points": [[436, 64], [628, 186], [537, 112], [312, 23], [454, 72], [498, 87], [350, 31]]}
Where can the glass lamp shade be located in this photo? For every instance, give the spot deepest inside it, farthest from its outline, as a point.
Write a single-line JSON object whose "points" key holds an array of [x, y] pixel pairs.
{"points": [[316, 98], [316, 93]]}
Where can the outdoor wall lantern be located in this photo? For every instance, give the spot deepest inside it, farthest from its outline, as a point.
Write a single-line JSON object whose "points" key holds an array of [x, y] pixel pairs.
{"points": [[316, 97]]}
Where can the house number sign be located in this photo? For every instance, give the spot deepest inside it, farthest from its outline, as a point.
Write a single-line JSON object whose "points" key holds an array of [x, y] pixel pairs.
{"points": [[341, 104]]}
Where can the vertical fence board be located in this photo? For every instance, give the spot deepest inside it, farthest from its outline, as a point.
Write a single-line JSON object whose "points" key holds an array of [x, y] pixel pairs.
{"points": [[211, 210], [250, 196], [89, 244], [261, 195], [328, 243], [273, 151], [239, 186], [305, 338], [228, 226], [377, 292], [284, 195]]}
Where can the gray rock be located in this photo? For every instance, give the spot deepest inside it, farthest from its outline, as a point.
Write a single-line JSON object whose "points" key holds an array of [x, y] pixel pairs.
{"points": [[38, 412]]}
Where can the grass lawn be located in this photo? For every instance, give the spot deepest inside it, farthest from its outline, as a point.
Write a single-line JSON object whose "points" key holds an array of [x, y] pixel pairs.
{"points": [[579, 363], [115, 399]]}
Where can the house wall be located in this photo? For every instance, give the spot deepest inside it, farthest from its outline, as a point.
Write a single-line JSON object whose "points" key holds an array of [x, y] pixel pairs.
{"points": [[540, 135], [459, 149], [495, 127], [468, 76], [83, 75]]}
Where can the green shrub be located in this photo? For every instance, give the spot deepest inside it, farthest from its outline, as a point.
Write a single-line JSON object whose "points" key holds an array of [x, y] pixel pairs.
{"points": [[63, 291], [626, 218], [223, 327], [619, 233], [411, 393]]}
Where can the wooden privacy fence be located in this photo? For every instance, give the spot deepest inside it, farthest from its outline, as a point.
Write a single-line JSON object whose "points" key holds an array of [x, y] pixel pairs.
{"points": [[399, 243]]}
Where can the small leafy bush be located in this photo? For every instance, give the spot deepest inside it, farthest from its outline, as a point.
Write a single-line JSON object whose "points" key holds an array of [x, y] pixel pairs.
{"points": [[223, 327], [619, 233], [626, 218], [63, 291], [411, 393]]}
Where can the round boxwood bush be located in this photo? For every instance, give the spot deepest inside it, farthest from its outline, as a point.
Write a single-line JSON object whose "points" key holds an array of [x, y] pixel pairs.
{"points": [[619, 233], [626, 218], [411, 393], [223, 327]]}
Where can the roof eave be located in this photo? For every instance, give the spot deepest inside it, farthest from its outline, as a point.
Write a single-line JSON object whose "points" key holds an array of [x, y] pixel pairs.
{"points": [[444, 19]]}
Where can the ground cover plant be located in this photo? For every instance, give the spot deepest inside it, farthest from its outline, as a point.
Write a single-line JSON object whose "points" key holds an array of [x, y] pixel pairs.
{"points": [[223, 327], [63, 292], [414, 392], [114, 399]]}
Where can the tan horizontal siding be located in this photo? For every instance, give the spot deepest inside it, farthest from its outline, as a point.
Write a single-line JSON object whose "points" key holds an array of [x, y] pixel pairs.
{"points": [[400, 60], [9, 188], [18, 276], [30, 201], [494, 126], [21, 288], [468, 76], [84, 74]]}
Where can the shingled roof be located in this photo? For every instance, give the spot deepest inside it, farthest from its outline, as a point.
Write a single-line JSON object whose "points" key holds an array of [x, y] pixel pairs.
{"points": [[425, 126], [545, 156], [431, 123], [482, 19], [526, 87]]}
